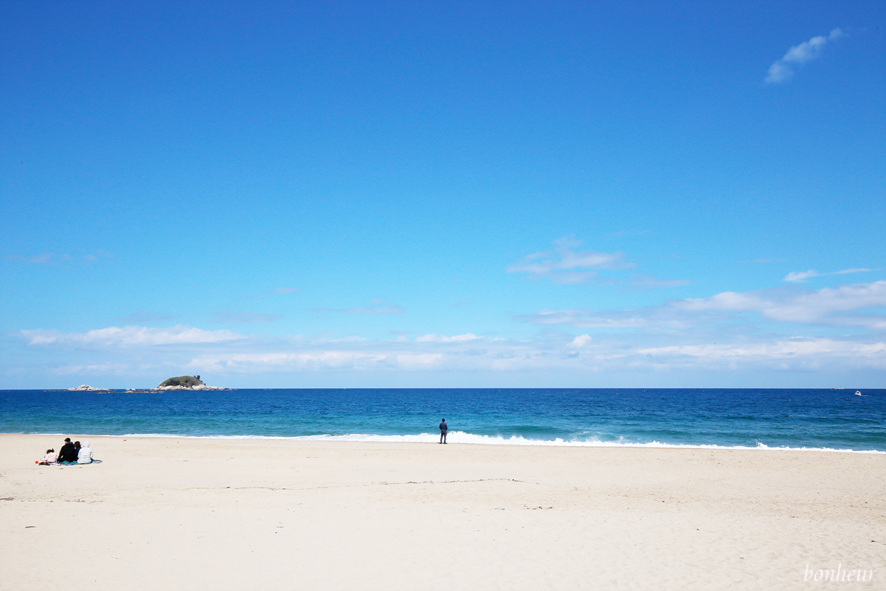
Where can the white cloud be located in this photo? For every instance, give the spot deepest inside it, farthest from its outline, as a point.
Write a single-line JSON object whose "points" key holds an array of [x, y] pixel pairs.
{"points": [[633, 354], [377, 356], [580, 341], [286, 360], [729, 331], [823, 306], [578, 318], [129, 336], [838, 306], [801, 276], [383, 358], [565, 265], [630, 354], [783, 69], [798, 352], [434, 338], [727, 301]]}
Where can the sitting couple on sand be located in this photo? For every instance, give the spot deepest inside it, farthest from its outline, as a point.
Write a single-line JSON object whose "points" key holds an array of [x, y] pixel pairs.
{"points": [[70, 453]]}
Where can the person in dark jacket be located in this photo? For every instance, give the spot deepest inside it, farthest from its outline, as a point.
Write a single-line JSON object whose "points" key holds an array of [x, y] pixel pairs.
{"points": [[68, 453], [444, 428]]}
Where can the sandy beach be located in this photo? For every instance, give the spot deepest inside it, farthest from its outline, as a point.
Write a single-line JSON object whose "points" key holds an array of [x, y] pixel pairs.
{"points": [[168, 513]]}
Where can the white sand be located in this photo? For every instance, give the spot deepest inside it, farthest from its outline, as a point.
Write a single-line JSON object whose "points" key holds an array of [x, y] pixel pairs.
{"points": [[281, 514]]}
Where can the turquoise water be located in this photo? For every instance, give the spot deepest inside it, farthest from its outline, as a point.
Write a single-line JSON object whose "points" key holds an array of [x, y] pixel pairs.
{"points": [[819, 419]]}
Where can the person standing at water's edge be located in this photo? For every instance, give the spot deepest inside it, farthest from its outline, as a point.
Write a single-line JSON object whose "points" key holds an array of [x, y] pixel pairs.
{"points": [[444, 428]]}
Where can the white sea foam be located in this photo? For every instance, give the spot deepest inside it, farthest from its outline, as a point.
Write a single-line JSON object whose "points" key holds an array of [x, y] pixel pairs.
{"points": [[474, 439]]}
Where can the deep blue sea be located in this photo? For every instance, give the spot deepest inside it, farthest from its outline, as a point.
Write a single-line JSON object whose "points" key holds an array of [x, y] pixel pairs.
{"points": [[729, 418]]}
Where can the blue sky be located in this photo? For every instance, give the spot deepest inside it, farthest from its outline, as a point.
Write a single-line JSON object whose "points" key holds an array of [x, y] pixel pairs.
{"points": [[443, 194]]}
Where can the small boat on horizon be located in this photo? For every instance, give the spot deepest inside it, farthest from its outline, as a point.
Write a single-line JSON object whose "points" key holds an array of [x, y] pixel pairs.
{"points": [[858, 393]]}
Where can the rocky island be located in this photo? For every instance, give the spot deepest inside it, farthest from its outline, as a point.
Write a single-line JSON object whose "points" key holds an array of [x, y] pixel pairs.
{"points": [[87, 388], [186, 383]]}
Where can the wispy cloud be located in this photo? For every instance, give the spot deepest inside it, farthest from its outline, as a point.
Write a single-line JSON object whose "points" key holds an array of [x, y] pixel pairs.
{"points": [[374, 356], [278, 291], [838, 306], [782, 70], [824, 306], [564, 264], [436, 338], [52, 259], [144, 317], [801, 276], [112, 368], [286, 360], [377, 307], [634, 352], [245, 317], [579, 353], [643, 281], [789, 328], [130, 336], [786, 353], [765, 261], [581, 318]]}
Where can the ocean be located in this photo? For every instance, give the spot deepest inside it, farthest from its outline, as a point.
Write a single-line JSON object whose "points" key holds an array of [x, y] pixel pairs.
{"points": [[826, 419]]}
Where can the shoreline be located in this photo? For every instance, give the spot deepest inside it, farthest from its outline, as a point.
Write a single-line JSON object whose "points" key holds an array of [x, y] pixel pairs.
{"points": [[265, 513], [467, 439]]}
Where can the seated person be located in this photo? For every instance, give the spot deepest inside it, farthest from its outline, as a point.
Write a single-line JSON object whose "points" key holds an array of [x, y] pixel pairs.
{"points": [[68, 453], [49, 458], [84, 456]]}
